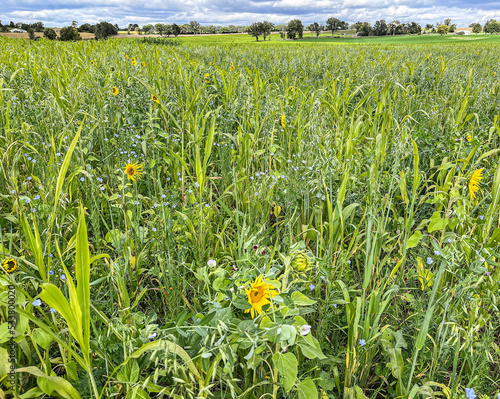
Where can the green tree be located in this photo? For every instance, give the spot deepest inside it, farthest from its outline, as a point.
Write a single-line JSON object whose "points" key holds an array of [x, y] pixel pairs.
{"points": [[176, 30], [254, 30], [476, 27], [492, 26], [335, 24], [316, 28], [380, 28], [443, 29], [148, 29], [104, 29], [31, 33], [266, 29], [429, 26], [365, 29], [49, 33], [195, 27], [295, 29], [68, 33]]}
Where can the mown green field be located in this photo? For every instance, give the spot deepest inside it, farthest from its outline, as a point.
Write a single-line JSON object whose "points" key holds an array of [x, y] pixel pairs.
{"points": [[190, 221]]}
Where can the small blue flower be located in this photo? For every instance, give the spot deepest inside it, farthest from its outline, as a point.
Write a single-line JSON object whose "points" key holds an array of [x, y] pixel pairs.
{"points": [[51, 255], [12, 192], [362, 342], [430, 261], [119, 196], [334, 305], [37, 197], [102, 189], [163, 196], [82, 178], [29, 177], [33, 210], [436, 252], [197, 184], [312, 286], [63, 277], [349, 261], [469, 393], [154, 229], [52, 310], [481, 217], [36, 302], [448, 240], [51, 272]]}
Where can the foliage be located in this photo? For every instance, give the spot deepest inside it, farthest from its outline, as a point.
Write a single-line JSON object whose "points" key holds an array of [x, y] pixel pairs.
{"points": [[443, 29], [69, 33], [50, 34], [104, 29], [295, 29], [335, 24], [336, 178]]}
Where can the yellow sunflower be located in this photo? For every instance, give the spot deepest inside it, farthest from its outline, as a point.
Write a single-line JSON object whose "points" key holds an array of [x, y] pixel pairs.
{"points": [[134, 63], [92, 62], [143, 64], [232, 66], [207, 75], [476, 177], [291, 88], [115, 90], [283, 120], [258, 295], [133, 170], [126, 56], [155, 99], [469, 138], [10, 265]]}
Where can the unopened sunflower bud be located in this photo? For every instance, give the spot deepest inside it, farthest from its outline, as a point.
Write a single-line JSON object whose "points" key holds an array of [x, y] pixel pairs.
{"points": [[300, 262]]}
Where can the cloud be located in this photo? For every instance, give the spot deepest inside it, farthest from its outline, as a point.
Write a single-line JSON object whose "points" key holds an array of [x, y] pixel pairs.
{"points": [[240, 12]]}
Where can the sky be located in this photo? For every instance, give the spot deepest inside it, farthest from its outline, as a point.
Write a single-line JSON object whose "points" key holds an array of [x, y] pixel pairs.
{"points": [[58, 13]]}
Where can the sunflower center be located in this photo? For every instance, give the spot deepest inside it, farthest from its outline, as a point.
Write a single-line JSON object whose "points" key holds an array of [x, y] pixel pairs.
{"points": [[10, 264], [257, 294], [130, 170]]}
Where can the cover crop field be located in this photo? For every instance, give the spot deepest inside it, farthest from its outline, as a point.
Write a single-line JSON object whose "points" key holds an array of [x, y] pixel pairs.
{"points": [[187, 221]]}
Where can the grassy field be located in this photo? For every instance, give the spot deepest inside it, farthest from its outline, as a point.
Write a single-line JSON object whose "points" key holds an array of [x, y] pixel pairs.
{"points": [[235, 221]]}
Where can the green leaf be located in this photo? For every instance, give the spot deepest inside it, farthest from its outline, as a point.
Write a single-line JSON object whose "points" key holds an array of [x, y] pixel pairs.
{"points": [[42, 338], [301, 300], [129, 372], [307, 389], [310, 347], [414, 239], [288, 333], [58, 384], [436, 223], [286, 363], [242, 304]]}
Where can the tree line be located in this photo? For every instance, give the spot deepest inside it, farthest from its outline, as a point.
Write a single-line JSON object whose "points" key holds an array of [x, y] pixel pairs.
{"points": [[293, 30]]}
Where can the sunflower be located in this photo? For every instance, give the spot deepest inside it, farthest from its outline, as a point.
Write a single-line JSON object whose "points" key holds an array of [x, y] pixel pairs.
{"points": [[207, 75], [143, 64], [133, 170], [474, 182], [134, 63], [126, 56], [133, 58], [291, 88], [258, 295], [10, 265], [283, 120], [469, 138], [92, 62], [115, 90], [232, 66], [155, 99]]}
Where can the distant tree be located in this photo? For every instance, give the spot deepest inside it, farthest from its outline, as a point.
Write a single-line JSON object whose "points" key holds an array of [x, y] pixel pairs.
{"points": [[355, 25], [4, 28], [148, 29], [452, 27], [210, 29], [393, 27], [380, 28], [316, 28], [104, 29], [49, 33], [429, 26], [295, 29], [37, 26], [31, 33], [254, 30], [68, 33], [131, 27], [414, 28], [447, 21], [195, 26], [476, 27], [335, 24], [492, 26], [84, 28], [365, 29], [176, 30], [161, 29], [266, 29], [138, 30], [74, 24], [12, 24], [233, 29], [25, 26], [443, 29]]}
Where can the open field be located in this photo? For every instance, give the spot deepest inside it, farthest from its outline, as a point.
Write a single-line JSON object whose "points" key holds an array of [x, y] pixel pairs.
{"points": [[235, 221], [84, 35]]}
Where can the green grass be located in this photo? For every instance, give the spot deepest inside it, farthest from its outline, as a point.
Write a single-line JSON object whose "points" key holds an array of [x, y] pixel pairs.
{"points": [[343, 178]]}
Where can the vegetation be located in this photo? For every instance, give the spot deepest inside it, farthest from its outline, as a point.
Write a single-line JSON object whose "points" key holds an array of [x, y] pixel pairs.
{"points": [[248, 222], [69, 33]]}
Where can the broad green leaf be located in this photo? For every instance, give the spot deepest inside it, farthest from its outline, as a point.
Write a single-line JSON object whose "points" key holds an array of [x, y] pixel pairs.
{"points": [[307, 389], [286, 363], [436, 223], [414, 239], [58, 384], [42, 338], [310, 347], [301, 300]]}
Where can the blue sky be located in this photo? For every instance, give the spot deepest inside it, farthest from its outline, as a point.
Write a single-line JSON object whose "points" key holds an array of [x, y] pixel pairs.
{"points": [[59, 13]]}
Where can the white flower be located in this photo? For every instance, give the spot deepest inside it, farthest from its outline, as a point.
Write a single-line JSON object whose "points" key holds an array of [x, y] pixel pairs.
{"points": [[305, 329], [212, 263]]}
